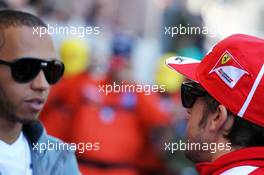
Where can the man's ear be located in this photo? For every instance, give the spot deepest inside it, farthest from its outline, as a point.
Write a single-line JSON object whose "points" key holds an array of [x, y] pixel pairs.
{"points": [[219, 120]]}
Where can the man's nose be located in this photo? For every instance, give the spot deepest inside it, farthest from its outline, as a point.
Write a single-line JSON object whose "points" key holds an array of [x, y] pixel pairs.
{"points": [[40, 83]]}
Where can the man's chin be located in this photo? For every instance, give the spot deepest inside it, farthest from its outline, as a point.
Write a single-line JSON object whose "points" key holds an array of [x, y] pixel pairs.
{"points": [[25, 119], [196, 156], [28, 121], [191, 156]]}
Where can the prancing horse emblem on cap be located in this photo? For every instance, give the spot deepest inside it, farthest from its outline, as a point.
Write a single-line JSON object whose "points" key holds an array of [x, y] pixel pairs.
{"points": [[228, 69], [225, 58]]}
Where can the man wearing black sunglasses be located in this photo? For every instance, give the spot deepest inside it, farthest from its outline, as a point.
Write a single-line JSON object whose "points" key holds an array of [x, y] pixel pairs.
{"points": [[28, 66], [224, 100]]}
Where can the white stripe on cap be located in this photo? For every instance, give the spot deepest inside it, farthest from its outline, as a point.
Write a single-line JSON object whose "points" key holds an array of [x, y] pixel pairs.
{"points": [[241, 170], [252, 92]]}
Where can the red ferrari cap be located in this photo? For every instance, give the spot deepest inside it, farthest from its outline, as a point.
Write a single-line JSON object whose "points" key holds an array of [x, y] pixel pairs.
{"points": [[232, 73]]}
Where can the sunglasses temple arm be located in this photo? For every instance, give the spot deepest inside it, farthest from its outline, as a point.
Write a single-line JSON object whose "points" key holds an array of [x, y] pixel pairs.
{"points": [[5, 63]]}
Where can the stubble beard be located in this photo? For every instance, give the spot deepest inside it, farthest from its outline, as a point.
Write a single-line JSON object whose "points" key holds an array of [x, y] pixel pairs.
{"points": [[7, 110], [195, 156]]}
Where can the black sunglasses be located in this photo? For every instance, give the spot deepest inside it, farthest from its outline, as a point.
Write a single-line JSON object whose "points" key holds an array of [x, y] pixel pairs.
{"points": [[24, 70], [189, 94]]}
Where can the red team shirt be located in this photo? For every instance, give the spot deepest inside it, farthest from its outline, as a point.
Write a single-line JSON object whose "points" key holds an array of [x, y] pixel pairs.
{"points": [[246, 161]]}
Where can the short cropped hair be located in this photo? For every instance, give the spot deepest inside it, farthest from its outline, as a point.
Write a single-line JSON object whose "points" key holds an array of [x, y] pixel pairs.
{"points": [[13, 18], [243, 132]]}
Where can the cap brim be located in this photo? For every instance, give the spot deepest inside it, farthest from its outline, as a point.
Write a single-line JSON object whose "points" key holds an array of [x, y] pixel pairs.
{"points": [[184, 65]]}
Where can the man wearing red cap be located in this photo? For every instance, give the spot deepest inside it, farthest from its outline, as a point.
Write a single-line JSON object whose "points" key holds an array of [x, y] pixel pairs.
{"points": [[224, 102]]}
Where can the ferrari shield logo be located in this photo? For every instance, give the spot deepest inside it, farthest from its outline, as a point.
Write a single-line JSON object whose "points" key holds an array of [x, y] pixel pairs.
{"points": [[228, 69]]}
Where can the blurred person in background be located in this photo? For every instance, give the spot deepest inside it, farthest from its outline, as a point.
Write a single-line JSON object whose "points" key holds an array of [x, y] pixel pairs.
{"points": [[185, 42], [172, 84], [22, 5], [28, 67], [3, 4], [125, 124], [171, 103], [67, 96]]}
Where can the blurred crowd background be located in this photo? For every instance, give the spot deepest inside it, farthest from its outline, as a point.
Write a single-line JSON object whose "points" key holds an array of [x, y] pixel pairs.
{"points": [[130, 47]]}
